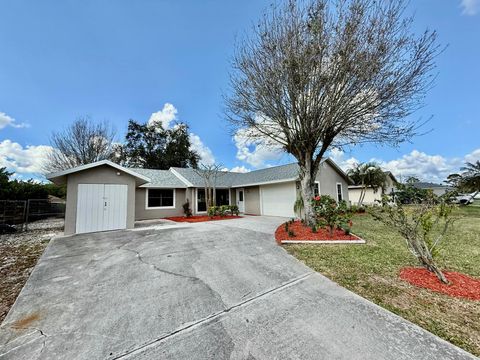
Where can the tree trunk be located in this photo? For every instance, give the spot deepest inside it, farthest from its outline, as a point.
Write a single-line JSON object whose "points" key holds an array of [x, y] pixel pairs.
{"points": [[306, 183], [434, 269]]}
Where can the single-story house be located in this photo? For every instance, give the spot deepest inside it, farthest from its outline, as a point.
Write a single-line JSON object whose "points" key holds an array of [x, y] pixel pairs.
{"points": [[373, 196], [106, 196]]}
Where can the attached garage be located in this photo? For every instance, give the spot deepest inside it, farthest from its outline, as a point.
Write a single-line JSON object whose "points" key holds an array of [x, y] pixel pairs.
{"points": [[278, 199]]}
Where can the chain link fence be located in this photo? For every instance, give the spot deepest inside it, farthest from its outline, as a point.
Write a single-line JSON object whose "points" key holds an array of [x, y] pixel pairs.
{"points": [[17, 215]]}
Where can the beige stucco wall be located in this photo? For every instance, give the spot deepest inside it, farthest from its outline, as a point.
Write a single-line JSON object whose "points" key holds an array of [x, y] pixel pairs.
{"points": [[371, 197], [99, 175], [252, 200], [141, 213], [328, 178]]}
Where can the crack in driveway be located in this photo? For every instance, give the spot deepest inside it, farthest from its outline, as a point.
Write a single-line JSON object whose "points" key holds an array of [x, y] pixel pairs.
{"points": [[155, 267], [212, 317]]}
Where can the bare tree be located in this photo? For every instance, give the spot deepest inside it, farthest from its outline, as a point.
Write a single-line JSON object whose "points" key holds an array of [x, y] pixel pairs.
{"points": [[81, 143], [210, 175], [322, 74]]}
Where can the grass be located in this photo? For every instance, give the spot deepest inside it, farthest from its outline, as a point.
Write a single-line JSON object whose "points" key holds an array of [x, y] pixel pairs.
{"points": [[371, 270]]}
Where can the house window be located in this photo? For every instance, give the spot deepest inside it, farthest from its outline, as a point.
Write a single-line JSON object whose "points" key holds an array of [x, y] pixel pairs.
{"points": [[201, 200], [160, 198], [316, 188], [339, 192], [222, 197]]}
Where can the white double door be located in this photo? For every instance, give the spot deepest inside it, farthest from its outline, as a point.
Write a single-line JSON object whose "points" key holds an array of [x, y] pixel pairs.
{"points": [[101, 207]]}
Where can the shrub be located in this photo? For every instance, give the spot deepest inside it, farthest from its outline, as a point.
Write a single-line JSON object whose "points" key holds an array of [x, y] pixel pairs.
{"points": [[286, 226], [291, 233], [213, 211], [423, 226], [330, 214], [222, 210], [314, 228], [234, 210], [186, 209]]}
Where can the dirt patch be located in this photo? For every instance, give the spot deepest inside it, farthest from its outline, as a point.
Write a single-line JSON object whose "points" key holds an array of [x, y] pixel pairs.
{"points": [[302, 232], [195, 219], [19, 253], [461, 285]]}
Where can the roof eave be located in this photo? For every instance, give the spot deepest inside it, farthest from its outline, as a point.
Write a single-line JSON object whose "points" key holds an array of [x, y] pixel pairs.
{"points": [[60, 176]]}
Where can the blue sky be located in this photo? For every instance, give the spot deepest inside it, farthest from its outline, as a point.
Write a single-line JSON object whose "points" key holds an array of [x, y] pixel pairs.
{"points": [[117, 60]]}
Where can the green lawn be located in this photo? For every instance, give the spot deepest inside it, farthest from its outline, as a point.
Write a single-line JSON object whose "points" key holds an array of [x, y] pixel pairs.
{"points": [[371, 270]]}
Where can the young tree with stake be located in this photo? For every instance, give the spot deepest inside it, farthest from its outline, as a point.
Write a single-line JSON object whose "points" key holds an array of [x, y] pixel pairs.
{"points": [[321, 74]]}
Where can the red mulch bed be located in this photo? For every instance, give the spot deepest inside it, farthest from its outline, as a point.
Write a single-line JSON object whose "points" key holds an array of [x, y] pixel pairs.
{"points": [[303, 232], [198, 218], [461, 285]]}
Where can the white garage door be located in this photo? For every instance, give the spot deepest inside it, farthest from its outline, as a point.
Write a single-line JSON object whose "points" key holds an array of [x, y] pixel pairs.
{"points": [[278, 199], [101, 207]]}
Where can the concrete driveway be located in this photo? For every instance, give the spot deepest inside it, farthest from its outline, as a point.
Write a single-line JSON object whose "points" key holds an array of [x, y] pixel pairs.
{"points": [[218, 290]]}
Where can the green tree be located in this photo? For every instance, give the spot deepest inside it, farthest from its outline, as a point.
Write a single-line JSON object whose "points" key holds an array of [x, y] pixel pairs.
{"points": [[367, 175], [153, 147], [470, 177]]}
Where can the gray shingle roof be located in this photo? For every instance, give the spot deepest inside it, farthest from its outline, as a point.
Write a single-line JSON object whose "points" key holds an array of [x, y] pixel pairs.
{"points": [[229, 179], [167, 178], [160, 178], [429, 185]]}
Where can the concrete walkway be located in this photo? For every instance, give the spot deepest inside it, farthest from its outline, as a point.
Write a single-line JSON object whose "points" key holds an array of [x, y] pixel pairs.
{"points": [[218, 290]]}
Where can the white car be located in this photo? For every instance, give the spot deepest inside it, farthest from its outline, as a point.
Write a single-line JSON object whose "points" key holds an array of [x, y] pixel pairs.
{"points": [[466, 199]]}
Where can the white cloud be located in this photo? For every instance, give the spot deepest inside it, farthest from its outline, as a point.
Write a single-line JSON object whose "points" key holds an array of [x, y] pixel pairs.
{"points": [[165, 116], [237, 169], [473, 156], [470, 7], [256, 152], [338, 156], [434, 168], [24, 161], [206, 155], [6, 120]]}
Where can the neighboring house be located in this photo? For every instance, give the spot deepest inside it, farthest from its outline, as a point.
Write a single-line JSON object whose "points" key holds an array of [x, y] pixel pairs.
{"points": [[438, 189], [106, 196], [373, 196]]}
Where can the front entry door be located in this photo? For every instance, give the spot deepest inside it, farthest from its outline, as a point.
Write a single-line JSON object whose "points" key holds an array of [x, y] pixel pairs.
{"points": [[241, 200]]}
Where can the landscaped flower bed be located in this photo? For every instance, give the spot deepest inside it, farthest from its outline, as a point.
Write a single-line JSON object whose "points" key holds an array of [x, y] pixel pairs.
{"points": [[195, 219], [298, 232], [461, 285]]}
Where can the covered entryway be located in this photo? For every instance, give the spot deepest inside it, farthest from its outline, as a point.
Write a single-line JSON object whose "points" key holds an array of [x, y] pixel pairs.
{"points": [[278, 199], [101, 207]]}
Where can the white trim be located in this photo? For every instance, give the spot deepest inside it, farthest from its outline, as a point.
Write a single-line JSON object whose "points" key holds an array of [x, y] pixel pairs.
{"points": [[182, 178], [341, 190], [150, 186], [264, 183], [319, 188], [237, 196], [95, 164], [160, 207]]}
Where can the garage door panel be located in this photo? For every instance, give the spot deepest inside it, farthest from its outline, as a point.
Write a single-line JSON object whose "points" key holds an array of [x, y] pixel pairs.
{"points": [[278, 199], [89, 207], [115, 213], [101, 207]]}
